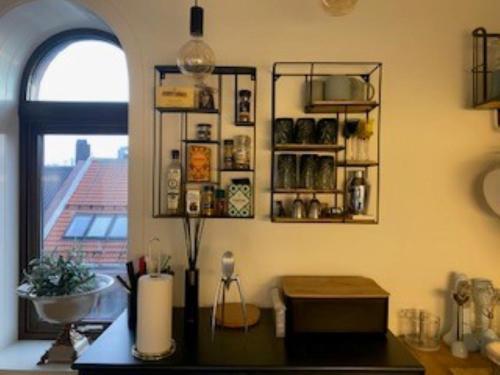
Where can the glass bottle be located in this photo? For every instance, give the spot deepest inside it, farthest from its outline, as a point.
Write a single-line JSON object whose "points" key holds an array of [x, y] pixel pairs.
{"points": [[241, 152], [208, 201], [174, 177], [244, 106], [220, 202], [228, 154]]}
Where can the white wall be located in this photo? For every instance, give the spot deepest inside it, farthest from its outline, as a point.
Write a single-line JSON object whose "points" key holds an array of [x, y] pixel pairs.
{"points": [[23, 26], [434, 147]]}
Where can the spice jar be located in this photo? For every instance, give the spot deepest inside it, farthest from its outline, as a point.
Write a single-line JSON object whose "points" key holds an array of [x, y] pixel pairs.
{"points": [[220, 202], [241, 152], [244, 106], [204, 132], [208, 201], [228, 154]]}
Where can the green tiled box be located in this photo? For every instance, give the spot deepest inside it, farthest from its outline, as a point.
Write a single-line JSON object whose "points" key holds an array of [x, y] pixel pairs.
{"points": [[240, 200]]}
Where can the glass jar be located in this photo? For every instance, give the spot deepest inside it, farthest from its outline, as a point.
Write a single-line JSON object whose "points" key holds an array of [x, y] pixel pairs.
{"points": [[204, 132], [208, 201], [308, 166], [244, 106], [228, 154], [241, 152], [283, 130]]}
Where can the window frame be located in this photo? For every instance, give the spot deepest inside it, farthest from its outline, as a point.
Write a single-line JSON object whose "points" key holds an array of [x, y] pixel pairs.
{"points": [[39, 118]]}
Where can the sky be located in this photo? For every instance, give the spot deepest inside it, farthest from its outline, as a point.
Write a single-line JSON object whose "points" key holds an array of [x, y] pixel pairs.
{"points": [[84, 71]]}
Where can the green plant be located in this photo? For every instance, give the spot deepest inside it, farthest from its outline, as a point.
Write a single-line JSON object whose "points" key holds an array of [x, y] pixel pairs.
{"points": [[53, 275]]}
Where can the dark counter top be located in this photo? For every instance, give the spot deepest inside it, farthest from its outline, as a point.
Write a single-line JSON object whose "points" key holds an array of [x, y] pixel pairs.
{"points": [[257, 352]]}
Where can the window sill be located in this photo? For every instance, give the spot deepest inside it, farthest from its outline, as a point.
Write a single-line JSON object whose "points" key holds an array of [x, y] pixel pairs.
{"points": [[22, 357]]}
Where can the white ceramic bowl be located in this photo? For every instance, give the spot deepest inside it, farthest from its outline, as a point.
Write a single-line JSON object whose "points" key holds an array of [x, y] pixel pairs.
{"points": [[69, 309]]}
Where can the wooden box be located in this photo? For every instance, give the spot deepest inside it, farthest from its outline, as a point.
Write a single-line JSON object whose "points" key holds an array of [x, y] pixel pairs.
{"points": [[334, 304], [175, 97]]}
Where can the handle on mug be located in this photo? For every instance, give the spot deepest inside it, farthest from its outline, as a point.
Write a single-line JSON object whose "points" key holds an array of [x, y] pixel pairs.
{"points": [[371, 90]]}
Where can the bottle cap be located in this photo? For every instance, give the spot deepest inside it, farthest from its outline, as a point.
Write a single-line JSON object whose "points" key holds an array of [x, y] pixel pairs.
{"points": [[220, 193], [208, 188], [228, 142], [245, 93], [175, 154]]}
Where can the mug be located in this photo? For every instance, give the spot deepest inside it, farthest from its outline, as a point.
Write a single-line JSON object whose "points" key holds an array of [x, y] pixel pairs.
{"points": [[342, 87], [315, 91]]}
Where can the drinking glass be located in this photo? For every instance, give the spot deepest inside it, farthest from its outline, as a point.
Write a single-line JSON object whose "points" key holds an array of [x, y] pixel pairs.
{"points": [[350, 130], [363, 134], [325, 177], [305, 130], [283, 131], [287, 171], [308, 166], [327, 131]]}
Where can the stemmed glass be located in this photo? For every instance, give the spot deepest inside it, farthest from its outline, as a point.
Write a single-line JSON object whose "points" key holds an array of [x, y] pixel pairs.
{"points": [[364, 133], [350, 129]]}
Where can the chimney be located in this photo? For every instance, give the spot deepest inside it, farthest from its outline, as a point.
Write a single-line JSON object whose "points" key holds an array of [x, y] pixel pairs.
{"points": [[82, 150]]}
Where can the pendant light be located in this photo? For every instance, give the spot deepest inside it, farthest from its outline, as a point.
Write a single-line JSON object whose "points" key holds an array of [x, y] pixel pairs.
{"points": [[196, 58], [339, 7]]}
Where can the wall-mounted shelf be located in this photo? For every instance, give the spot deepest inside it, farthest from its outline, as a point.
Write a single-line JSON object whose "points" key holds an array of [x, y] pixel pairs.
{"points": [[486, 71], [292, 89], [328, 107], [175, 128]]}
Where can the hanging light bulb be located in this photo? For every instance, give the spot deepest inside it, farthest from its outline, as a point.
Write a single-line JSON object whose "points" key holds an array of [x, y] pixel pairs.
{"points": [[196, 58], [339, 7]]}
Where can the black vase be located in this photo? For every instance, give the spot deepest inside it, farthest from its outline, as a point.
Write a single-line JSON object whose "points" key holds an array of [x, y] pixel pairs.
{"points": [[191, 289]]}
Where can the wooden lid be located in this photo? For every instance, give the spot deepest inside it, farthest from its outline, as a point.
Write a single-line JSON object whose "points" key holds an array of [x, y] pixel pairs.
{"points": [[331, 287], [233, 315]]}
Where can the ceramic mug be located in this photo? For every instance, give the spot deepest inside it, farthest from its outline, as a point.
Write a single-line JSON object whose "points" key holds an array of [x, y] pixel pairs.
{"points": [[342, 87]]}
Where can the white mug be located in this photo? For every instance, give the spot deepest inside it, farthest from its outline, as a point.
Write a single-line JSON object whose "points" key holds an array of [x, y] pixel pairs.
{"points": [[342, 87]]}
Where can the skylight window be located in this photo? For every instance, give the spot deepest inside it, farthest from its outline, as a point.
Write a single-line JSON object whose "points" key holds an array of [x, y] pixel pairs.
{"points": [[119, 229], [78, 226], [99, 227]]}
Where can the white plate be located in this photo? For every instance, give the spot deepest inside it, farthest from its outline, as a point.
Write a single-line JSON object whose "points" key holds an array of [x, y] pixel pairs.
{"points": [[491, 190]]}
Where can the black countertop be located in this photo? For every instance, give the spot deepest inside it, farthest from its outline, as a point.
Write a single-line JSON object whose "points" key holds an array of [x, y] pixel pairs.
{"points": [[257, 352]]}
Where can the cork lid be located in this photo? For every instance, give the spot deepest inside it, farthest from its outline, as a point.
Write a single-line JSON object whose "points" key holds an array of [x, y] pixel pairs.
{"points": [[331, 287]]}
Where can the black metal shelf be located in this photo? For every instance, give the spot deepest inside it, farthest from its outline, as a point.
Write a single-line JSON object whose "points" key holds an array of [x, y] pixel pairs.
{"points": [[341, 110], [222, 79]]}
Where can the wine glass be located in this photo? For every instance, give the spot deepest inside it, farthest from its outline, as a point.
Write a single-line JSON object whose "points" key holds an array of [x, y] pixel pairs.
{"points": [[350, 129], [364, 132]]}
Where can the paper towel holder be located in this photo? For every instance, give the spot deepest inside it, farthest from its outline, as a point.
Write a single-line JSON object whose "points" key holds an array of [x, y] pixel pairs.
{"points": [[153, 357]]}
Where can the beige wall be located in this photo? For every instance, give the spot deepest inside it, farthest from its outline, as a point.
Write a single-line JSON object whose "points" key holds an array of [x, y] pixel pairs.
{"points": [[433, 147]]}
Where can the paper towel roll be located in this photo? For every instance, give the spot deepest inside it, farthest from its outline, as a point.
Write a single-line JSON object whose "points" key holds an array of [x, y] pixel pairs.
{"points": [[154, 314]]}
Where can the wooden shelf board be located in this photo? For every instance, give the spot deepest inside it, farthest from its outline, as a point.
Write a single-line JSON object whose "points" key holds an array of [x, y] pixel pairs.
{"points": [[307, 191], [308, 147], [490, 104], [306, 220], [186, 110], [200, 142], [357, 163], [341, 106], [232, 170], [326, 220], [166, 216], [249, 124]]}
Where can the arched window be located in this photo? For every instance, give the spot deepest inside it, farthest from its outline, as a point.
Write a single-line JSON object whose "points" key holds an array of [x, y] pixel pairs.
{"points": [[74, 159]]}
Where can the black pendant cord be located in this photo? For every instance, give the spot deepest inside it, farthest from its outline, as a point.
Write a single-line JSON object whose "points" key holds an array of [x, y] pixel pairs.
{"points": [[196, 24]]}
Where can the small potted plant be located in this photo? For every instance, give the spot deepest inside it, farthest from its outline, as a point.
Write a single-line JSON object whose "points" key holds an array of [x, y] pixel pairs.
{"points": [[63, 290]]}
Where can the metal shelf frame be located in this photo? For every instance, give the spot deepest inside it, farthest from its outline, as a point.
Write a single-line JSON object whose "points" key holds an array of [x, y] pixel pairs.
{"points": [[222, 73], [370, 72]]}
